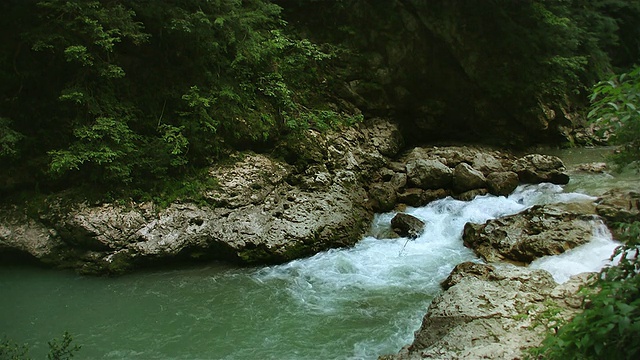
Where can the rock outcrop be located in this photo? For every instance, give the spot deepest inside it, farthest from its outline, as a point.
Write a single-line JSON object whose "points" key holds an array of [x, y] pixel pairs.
{"points": [[618, 206], [524, 237], [492, 312], [262, 210], [537, 168], [407, 225]]}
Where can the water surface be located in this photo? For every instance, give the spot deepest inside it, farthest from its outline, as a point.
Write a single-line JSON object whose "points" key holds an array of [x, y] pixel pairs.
{"points": [[355, 303]]}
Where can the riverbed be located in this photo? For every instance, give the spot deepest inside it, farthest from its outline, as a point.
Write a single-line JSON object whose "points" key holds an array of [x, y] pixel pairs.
{"points": [[355, 303]]}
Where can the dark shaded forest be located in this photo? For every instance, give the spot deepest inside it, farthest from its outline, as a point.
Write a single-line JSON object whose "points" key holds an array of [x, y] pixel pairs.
{"points": [[144, 95]]}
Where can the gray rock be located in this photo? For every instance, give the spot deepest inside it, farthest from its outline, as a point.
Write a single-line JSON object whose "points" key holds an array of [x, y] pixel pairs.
{"points": [[490, 312], [398, 181], [594, 167], [537, 168], [384, 197], [502, 183], [524, 237], [262, 210], [486, 163], [429, 174], [467, 178], [407, 225], [413, 197], [417, 197], [619, 206]]}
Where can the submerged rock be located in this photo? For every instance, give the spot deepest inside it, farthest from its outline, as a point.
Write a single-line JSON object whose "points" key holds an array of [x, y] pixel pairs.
{"points": [[594, 167], [492, 312], [531, 234], [407, 225]]}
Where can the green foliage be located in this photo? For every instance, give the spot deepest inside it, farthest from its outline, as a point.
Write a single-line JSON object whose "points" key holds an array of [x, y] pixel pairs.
{"points": [[609, 325], [9, 350], [9, 139], [616, 108], [106, 93], [63, 349]]}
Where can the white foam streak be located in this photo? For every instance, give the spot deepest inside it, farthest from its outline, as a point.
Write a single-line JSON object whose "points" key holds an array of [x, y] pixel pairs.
{"points": [[590, 257]]}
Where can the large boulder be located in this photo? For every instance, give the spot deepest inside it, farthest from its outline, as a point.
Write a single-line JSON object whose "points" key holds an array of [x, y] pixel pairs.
{"points": [[524, 237], [465, 178], [537, 168], [429, 174], [619, 206], [492, 312], [407, 225], [383, 196], [502, 183]]}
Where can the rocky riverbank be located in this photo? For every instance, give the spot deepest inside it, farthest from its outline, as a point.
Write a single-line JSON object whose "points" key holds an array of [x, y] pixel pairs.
{"points": [[270, 210], [265, 209], [497, 310]]}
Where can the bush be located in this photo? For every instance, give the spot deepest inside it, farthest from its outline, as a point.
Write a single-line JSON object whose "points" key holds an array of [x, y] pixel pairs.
{"points": [[58, 349], [616, 108]]}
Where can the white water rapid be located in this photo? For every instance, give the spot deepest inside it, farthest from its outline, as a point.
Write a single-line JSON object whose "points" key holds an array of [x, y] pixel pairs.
{"points": [[356, 283], [355, 303]]}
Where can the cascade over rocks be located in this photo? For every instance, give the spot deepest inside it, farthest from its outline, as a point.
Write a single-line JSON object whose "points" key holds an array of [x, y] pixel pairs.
{"points": [[531, 234], [491, 312]]}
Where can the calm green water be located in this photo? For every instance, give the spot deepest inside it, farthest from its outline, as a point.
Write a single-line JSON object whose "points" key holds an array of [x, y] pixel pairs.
{"points": [[210, 312], [355, 303], [598, 183]]}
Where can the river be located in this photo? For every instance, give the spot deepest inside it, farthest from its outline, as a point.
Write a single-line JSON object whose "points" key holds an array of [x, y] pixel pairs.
{"points": [[354, 303]]}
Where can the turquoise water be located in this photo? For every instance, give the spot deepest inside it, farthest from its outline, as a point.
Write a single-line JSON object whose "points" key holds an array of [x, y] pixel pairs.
{"points": [[355, 303]]}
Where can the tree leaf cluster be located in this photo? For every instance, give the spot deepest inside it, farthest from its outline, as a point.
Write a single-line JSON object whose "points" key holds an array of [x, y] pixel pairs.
{"points": [[129, 93], [615, 108], [59, 349]]}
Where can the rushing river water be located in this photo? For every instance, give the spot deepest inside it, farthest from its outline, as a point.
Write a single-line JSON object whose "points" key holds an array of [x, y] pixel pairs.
{"points": [[354, 303]]}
